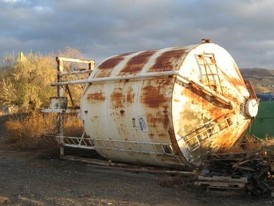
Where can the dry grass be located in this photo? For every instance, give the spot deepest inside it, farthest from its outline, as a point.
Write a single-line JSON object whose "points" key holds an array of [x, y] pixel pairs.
{"points": [[73, 126], [36, 131], [27, 131], [251, 144]]}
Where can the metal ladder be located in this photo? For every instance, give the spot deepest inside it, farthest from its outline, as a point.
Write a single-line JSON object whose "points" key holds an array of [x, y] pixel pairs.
{"points": [[69, 70], [196, 137], [209, 72]]}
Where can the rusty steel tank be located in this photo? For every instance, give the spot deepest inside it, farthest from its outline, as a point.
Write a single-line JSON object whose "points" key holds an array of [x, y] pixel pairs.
{"points": [[167, 107]]}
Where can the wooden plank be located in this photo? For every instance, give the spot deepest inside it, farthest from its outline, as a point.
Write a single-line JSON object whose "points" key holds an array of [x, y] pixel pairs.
{"points": [[223, 178], [222, 182]]}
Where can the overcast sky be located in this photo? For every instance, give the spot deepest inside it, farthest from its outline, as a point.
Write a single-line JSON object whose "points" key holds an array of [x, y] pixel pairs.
{"points": [[100, 28]]}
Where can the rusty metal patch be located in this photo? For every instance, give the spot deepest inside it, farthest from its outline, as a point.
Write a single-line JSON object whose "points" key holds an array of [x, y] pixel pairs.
{"points": [[130, 96], [152, 96], [169, 60], [159, 119], [105, 68], [117, 98], [112, 62], [136, 63], [97, 96], [121, 97]]}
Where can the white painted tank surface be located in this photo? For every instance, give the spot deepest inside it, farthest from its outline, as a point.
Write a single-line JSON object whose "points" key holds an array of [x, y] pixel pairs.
{"points": [[167, 107]]}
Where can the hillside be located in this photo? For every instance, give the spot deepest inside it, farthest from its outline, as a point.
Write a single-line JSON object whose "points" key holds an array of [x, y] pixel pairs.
{"points": [[262, 79]]}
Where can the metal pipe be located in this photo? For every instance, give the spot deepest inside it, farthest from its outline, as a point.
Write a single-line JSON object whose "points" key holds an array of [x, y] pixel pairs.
{"points": [[106, 79], [75, 72], [74, 60]]}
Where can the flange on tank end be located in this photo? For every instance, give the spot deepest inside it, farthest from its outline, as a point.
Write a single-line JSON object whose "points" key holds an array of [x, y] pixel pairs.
{"points": [[251, 107]]}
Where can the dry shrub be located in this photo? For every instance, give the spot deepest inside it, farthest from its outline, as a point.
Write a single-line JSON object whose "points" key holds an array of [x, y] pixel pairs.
{"points": [[268, 143], [251, 144], [73, 126], [36, 130], [28, 131]]}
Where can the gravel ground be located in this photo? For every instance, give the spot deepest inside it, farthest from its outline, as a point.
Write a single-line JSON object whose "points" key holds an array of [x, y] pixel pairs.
{"points": [[41, 178]]}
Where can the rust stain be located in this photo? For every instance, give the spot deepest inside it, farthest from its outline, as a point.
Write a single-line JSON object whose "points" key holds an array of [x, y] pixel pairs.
{"points": [[154, 120], [151, 135], [230, 136], [130, 96], [188, 120], [152, 96], [206, 100], [122, 97], [106, 67], [166, 121], [238, 72], [236, 83], [136, 63], [97, 96], [158, 120], [169, 60], [166, 117], [233, 80], [103, 73], [112, 62], [199, 110], [117, 98]]}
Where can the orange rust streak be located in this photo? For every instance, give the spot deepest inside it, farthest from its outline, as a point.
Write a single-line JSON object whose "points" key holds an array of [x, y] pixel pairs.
{"points": [[130, 96], [152, 96], [161, 120], [106, 67], [230, 137], [136, 63], [236, 82], [117, 98], [103, 73], [238, 72], [214, 107], [168, 61], [233, 80], [110, 63], [97, 96]]}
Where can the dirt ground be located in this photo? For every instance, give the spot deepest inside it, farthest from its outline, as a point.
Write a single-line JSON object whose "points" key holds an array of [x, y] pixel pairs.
{"points": [[28, 178], [37, 178]]}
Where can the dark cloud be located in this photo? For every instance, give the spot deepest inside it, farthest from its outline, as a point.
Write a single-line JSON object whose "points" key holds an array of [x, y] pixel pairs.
{"points": [[106, 27]]}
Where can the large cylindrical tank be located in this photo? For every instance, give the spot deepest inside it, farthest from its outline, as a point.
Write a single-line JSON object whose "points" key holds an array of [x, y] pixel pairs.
{"points": [[167, 107]]}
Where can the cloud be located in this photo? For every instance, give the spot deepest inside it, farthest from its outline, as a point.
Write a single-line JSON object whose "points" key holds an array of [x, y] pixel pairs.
{"points": [[11, 1], [106, 27]]}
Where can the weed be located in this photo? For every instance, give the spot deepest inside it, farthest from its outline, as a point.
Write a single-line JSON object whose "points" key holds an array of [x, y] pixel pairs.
{"points": [[36, 130]]}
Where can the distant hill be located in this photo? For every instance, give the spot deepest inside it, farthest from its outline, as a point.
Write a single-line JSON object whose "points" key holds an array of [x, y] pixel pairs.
{"points": [[262, 79]]}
